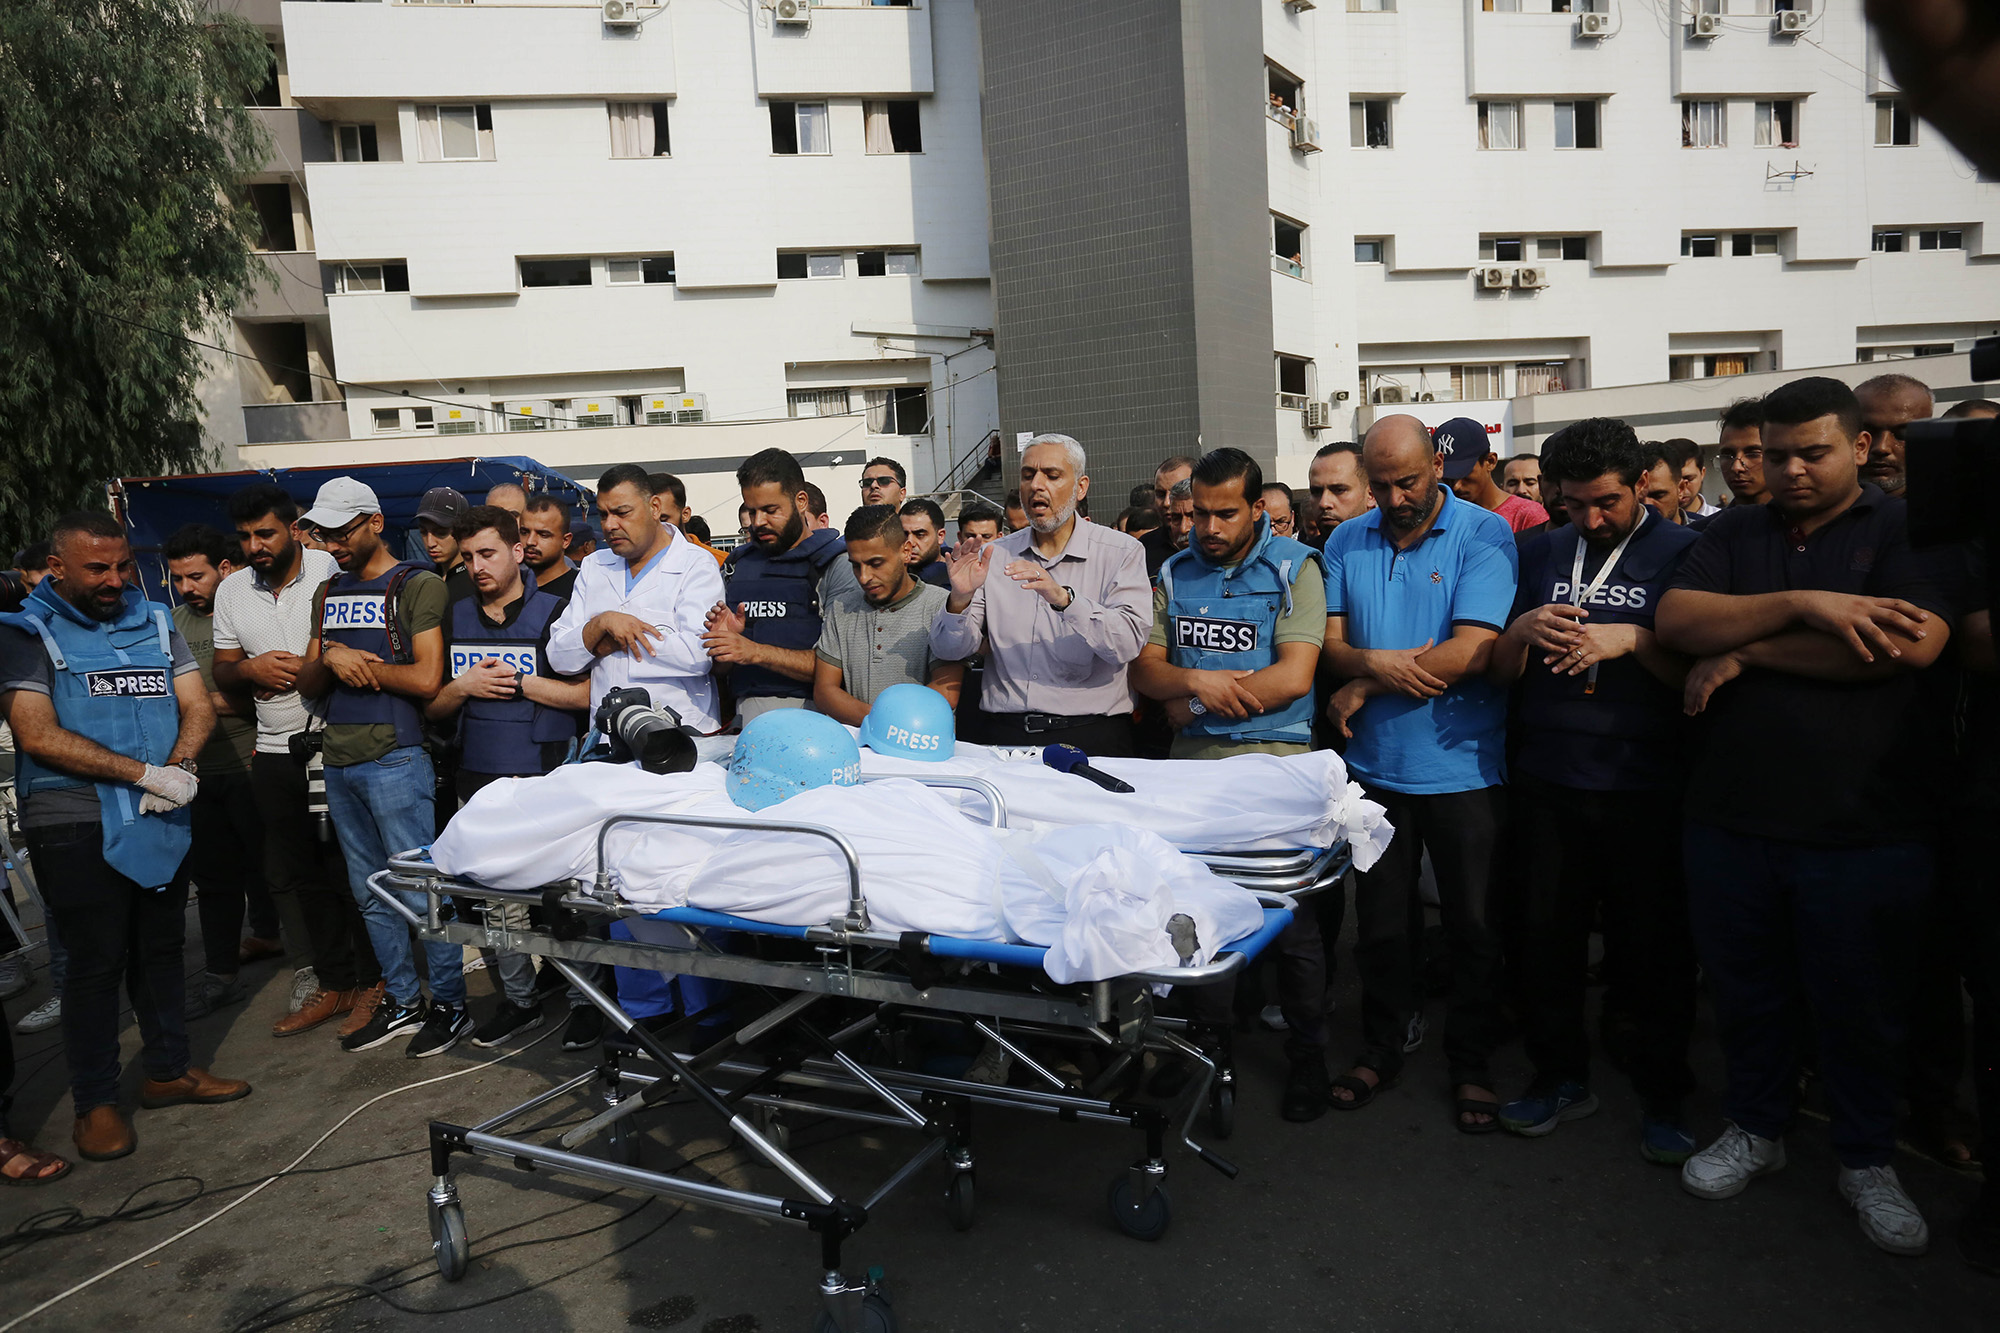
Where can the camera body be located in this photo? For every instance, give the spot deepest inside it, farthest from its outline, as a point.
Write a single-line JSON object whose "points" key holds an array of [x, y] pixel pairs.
{"points": [[13, 590], [635, 729]]}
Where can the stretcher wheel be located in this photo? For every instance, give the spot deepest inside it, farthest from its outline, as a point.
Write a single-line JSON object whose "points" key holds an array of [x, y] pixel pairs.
{"points": [[624, 1139], [961, 1201], [449, 1242], [1140, 1221], [876, 1317], [1222, 1110]]}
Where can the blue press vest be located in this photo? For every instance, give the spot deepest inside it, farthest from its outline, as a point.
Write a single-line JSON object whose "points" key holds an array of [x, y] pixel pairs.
{"points": [[1223, 619], [779, 595], [114, 684], [506, 736], [352, 616]]}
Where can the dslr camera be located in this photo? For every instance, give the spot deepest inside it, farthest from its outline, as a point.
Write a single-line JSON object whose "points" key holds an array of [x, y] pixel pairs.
{"points": [[635, 729]]}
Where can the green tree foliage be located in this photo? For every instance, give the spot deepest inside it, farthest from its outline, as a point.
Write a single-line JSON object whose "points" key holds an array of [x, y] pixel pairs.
{"points": [[124, 230]]}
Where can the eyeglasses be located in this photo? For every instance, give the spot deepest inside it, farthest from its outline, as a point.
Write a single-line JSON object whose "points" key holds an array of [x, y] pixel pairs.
{"points": [[870, 483], [340, 535]]}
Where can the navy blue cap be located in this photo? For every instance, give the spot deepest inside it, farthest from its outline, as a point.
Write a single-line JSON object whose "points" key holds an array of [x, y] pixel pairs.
{"points": [[1463, 442]]}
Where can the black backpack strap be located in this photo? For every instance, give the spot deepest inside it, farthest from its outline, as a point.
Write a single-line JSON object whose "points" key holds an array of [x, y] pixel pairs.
{"points": [[319, 611], [400, 652]]}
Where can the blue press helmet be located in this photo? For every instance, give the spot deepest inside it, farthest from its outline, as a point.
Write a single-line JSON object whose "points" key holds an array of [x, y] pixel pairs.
{"points": [[912, 722], [789, 750]]}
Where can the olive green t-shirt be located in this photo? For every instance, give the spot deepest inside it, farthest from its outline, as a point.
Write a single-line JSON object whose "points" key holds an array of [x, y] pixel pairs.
{"points": [[422, 606], [234, 738], [1305, 623]]}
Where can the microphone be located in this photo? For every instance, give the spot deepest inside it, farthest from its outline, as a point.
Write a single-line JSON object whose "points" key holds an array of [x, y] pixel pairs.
{"points": [[1069, 759]]}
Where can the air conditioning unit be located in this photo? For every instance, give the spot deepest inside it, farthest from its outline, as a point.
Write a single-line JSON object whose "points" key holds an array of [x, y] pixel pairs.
{"points": [[1531, 278], [1491, 279], [593, 413], [621, 14], [458, 421], [1305, 134], [674, 409], [1318, 415], [1793, 21], [1706, 25], [528, 414], [1391, 394], [796, 13], [1593, 25]]}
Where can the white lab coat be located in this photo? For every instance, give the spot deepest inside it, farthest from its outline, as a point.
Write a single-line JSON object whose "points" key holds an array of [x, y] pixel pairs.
{"points": [[674, 597]]}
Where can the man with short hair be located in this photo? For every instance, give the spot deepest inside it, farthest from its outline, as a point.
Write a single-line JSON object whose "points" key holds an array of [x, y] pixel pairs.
{"points": [[510, 497], [1811, 796], [1660, 483], [32, 563], [1889, 403], [883, 482], [545, 543], [1469, 465], [923, 522], [1178, 517], [1238, 620], [263, 625], [1063, 609], [1279, 509], [514, 717], [979, 523], [816, 507], [1521, 475], [1338, 485], [1972, 409], [780, 582], [1416, 593], [376, 658], [436, 512], [1689, 476], [1739, 452], [672, 494], [109, 711], [226, 860], [879, 635], [1600, 755], [1162, 543], [1017, 517]]}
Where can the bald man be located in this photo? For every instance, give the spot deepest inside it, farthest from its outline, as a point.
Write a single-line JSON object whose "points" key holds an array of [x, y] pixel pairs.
{"points": [[509, 497], [1889, 403]]}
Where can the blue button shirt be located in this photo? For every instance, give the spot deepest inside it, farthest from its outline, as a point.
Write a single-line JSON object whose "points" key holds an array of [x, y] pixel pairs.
{"points": [[1461, 573]]}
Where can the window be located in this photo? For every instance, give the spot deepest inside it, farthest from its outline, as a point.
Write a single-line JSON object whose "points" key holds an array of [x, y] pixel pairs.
{"points": [[638, 129], [1701, 125], [1895, 127], [1288, 247], [643, 270], [799, 128], [817, 402], [1941, 240], [1777, 125], [1369, 249], [1533, 377], [422, 418], [387, 418], [1285, 95], [1294, 381], [1576, 125], [1888, 243], [1503, 6], [1476, 383], [1754, 243], [274, 217], [899, 411], [555, 273], [894, 127], [1500, 125], [1709, 367], [1368, 122], [1371, 6], [881, 263], [267, 93], [1699, 247], [1502, 249], [801, 265], [1562, 247], [460, 132], [356, 143], [353, 278]]}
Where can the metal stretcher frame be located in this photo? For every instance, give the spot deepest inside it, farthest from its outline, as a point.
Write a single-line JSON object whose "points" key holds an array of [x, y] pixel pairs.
{"points": [[997, 990], [14, 867]]}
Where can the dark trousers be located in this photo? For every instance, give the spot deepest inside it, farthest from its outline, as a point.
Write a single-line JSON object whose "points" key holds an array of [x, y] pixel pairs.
{"points": [[1581, 845], [1460, 830], [116, 932], [1974, 856], [297, 865], [226, 864], [1108, 737], [6, 1074], [1302, 968], [1934, 1054], [1842, 924]]}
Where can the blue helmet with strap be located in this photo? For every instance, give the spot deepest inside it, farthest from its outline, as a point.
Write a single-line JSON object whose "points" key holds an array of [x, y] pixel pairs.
{"points": [[912, 722], [787, 751]]}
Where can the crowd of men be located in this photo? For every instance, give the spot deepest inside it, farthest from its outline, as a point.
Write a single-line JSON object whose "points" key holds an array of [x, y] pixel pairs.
{"points": [[1748, 745]]}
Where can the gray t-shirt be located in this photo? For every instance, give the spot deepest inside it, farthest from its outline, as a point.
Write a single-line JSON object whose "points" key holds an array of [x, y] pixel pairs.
{"points": [[25, 665], [876, 647]]}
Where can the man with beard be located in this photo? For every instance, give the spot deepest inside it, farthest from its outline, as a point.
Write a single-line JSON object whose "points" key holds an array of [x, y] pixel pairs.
{"points": [[1889, 403], [779, 581], [1522, 475], [882, 636], [1416, 593], [545, 543], [109, 711], [1163, 541], [226, 861], [1064, 608], [263, 626], [1338, 486], [1600, 755], [923, 551]]}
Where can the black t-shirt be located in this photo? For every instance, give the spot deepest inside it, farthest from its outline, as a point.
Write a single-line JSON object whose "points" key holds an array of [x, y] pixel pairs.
{"points": [[1158, 544], [1978, 716], [1785, 756], [561, 585]]}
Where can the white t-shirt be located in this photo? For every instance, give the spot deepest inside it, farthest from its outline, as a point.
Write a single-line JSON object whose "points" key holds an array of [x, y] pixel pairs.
{"points": [[251, 617], [674, 595]]}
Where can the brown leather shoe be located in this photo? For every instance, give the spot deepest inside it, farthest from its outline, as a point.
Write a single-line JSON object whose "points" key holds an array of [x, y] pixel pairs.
{"points": [[318, 1008], [197, 1086], [101, 1134], [365, 1002], [255, 949]]}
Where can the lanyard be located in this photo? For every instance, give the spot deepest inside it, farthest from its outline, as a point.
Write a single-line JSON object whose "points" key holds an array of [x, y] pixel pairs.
{"points": [[1578, 594]]}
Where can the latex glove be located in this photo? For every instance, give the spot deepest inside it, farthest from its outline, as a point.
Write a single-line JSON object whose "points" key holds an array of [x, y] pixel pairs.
{"points": [[166, 789]]}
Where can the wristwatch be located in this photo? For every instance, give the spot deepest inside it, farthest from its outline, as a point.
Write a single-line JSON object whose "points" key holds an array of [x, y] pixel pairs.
{"points": [[186, 766], [1197, 707], [1069, 594]]}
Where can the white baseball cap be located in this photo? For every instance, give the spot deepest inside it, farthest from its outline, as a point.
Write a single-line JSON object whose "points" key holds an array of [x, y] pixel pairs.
{"points": [[340, 502]]}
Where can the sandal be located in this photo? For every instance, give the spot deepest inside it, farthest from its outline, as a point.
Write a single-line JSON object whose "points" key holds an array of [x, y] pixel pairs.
{"points": [[1364, 1091], [37, 1171], [1943, 1134], [1476, 1106]]}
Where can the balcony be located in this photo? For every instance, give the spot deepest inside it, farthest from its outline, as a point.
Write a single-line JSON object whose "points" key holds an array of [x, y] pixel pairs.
{"points": [[1291, 268], [294, 423], [297, 137], [299, 293]]}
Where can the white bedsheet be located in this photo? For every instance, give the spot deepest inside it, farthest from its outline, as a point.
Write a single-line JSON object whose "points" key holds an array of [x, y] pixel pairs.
{"points": [[1097, 896]]}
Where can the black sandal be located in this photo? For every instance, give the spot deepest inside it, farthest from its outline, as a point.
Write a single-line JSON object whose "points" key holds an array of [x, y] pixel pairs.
{"points": [[1476, 1106], [1364, 1092]]}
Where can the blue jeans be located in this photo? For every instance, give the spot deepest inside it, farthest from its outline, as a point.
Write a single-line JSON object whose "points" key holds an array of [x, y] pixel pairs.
{"points": [[378, 808], [1774, 918]]}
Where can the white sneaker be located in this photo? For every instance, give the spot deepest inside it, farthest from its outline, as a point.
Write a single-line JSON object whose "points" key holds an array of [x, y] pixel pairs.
{"points": [[1273, 1017], [1725, 1167], [992, 1067], [1887, 1216], [16, 975], [42, 1018], [305, 985]]}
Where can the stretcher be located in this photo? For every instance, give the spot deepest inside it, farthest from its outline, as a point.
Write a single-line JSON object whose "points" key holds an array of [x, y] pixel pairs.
{"points": [[17, 941], [824, 1021]]}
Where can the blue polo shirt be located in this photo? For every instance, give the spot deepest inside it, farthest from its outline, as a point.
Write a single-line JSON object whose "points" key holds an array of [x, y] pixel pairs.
{"points": [[1461, 573]]}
